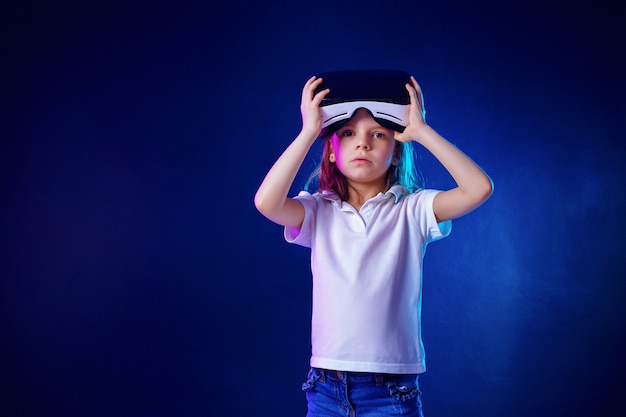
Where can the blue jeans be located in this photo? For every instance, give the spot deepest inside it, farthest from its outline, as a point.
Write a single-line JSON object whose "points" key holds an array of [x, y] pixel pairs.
{"points": [[355, 394]]}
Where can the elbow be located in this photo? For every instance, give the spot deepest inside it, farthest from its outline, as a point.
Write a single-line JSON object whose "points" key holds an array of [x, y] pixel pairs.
{"points": [[262, 204], [486, 189], [480, 191], [259, 203]]}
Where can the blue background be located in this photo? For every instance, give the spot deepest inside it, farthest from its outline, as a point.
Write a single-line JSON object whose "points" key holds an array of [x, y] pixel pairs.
{"points": [[139, 280]]}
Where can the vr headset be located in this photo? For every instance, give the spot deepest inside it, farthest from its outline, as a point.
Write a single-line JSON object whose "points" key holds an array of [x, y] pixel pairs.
{"points": [[382, 92]]}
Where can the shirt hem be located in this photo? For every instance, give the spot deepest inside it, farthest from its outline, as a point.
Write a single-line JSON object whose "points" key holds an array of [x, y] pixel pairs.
{"points": [[383, 368]]}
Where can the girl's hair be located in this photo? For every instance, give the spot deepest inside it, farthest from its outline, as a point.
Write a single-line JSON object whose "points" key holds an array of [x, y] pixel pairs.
{"points": [[327, 177]]}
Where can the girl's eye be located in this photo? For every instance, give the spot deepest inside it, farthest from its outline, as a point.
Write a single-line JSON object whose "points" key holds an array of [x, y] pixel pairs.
{"points": [[379, 135], [347, 133]]}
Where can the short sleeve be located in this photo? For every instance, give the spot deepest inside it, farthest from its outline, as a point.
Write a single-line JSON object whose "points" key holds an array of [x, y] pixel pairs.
{"points": [[302, 236], [425, 216]]}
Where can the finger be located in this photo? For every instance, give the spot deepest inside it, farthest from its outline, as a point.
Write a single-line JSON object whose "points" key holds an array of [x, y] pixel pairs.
{"points": [[418, 91], [320, 96], [307, 91], [411, 91], [416, 103], [400, 137], [307, 84], [416, 85], [310, 87], [309, 81]]}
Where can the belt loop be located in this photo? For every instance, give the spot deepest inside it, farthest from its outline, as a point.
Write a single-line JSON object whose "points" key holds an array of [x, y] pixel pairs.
{"points": [[379, 379], [322, 373]]}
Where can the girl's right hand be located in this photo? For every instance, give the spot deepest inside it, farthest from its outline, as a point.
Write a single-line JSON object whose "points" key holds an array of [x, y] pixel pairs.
{"points": [[310, 106]]}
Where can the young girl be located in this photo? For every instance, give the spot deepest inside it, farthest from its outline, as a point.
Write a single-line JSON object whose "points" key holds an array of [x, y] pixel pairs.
{"points": [[367, 227]]}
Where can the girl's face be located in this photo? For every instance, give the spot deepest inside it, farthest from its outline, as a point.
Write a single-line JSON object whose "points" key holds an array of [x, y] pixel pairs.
{"points": [[363, 150]]}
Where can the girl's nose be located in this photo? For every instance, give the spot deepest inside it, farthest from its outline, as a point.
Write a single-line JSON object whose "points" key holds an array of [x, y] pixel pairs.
{"points": [[362, 143]]}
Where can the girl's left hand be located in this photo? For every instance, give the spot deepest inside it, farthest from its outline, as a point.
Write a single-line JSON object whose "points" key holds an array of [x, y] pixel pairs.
{"points": [[417, 114]]}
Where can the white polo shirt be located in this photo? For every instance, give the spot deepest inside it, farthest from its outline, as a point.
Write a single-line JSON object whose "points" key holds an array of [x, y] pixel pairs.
{"points": [[367, 278]]}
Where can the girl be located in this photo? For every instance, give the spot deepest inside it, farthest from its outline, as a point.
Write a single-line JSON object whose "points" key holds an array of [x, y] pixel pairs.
{"points": [[367, 226]]}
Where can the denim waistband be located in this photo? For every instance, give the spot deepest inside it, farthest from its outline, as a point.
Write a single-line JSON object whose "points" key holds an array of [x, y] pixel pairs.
{"points": [[349, 376]]}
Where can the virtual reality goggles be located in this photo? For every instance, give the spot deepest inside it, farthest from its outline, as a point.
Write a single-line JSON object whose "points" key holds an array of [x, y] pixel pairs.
{"points": [[382, 92]]}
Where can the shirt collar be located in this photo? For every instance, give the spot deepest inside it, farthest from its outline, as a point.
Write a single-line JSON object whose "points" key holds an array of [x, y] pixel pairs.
{"points": [[396, 191]]}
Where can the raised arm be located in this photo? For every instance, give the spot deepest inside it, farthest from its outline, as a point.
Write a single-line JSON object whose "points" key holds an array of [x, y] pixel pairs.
{"points": [[271, 198], [474, 187]]}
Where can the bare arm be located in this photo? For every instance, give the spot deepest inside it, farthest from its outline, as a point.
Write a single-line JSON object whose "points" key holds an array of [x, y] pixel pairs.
{"points": [[474, 187], [271, 198]]}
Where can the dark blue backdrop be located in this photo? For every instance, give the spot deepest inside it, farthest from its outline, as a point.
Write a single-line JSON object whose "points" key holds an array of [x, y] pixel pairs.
{"points": [[138, 279]]}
